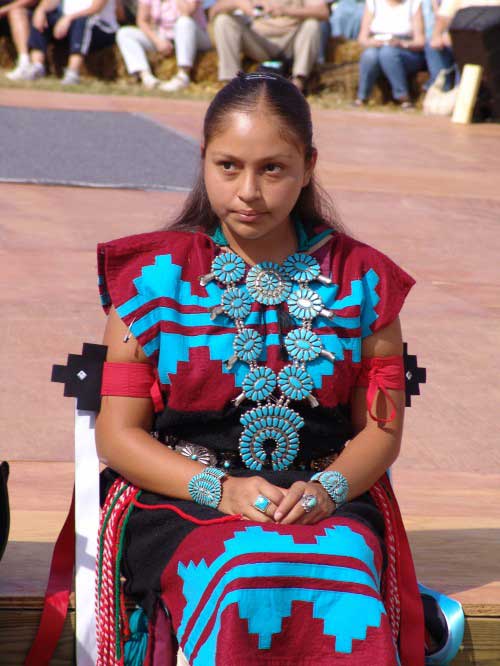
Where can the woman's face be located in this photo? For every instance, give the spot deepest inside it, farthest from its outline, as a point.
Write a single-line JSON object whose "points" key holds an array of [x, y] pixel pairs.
{"points": [[253, 175]]}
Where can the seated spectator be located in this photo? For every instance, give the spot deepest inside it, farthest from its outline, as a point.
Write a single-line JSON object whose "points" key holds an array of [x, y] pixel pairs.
{"points": [[444, 16], [437, 58], [88, 25], [18, 16], [345, 19], [392, 33], [271, 29], [345, 22], [162, 26]]}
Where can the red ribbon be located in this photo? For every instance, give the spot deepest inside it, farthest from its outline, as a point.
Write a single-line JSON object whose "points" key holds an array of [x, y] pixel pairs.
{"points": [[55, 607], [132, 380], [381, 373]]}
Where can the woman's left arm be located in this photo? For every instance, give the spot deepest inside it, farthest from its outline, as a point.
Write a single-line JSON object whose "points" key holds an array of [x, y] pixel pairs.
{"points": [[374, 447]]}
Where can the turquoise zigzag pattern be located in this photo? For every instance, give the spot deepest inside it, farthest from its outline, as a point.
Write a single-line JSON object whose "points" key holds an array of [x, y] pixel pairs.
{"points": [[163, 279], [346, 615]]}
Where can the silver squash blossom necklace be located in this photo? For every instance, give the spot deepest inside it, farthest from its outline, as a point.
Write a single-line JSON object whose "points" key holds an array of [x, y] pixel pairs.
{"points": [[270, 432]]}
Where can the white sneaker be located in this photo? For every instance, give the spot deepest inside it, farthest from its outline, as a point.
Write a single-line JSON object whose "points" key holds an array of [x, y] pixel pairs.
{"points": [[180, 81], [149, 81], [27, 72], [70, 78], [20, 72]]}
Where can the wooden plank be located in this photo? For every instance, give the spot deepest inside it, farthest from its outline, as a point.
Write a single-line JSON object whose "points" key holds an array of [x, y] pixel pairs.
{"points": [[17, 631], [481, 645], [467, 94]]}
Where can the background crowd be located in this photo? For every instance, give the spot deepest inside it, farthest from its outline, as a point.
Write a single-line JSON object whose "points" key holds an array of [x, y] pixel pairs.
{"points": [[399, 37]]}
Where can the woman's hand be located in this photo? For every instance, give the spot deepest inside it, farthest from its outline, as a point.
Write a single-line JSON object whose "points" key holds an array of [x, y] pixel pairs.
{"points": [[290, 509], [246, 6], [239, 495], [39, 19], [62, 27], [164, 46]]}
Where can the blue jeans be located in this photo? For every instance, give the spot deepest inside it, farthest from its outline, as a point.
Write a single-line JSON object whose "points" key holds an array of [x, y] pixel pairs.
{"points": [[438, 59], [396, 63]]}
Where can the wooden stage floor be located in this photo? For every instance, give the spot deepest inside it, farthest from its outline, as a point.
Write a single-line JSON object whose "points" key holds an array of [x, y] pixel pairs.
{"points": [[424, 191]]}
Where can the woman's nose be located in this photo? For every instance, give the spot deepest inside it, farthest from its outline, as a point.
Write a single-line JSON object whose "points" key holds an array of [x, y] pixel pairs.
{"points": [[249, 189]]}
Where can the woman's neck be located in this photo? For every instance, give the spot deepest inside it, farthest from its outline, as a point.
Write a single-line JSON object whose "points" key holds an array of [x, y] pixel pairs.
{"points": [[275, 246]]}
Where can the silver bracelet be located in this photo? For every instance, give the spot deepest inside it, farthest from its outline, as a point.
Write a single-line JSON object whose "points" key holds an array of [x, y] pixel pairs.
{"points": [[335, 484]]}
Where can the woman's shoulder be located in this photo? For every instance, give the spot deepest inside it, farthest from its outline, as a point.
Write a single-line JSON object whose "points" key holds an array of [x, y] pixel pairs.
{"points": [[153, 241], [145, 261], [369, 278]]}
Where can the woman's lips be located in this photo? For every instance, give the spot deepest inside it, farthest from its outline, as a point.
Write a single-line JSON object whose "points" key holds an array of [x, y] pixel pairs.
{"points": [[248, 215]]}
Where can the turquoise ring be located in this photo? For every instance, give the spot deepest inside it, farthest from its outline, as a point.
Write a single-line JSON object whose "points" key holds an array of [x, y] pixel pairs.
{"points": [[261, 503], [308, 502]]}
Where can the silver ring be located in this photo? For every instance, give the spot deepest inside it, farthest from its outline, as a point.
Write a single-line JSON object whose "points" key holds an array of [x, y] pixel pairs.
{"points": [[261, 503], [308, 502]]}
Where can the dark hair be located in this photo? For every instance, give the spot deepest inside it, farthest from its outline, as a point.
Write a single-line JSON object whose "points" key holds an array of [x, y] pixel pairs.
{"points": [[286, 102]]}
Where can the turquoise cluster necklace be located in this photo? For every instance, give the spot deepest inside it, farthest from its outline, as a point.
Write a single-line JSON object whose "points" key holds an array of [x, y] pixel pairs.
{"points": [[270, 432]]}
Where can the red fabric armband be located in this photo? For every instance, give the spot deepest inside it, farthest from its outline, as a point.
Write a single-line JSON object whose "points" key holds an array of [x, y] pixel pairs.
{"points": [[380, 374], [132, 380]]}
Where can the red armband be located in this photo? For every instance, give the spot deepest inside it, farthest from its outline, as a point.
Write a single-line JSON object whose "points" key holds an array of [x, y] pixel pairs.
{"points": [[381, 373], [132, 380]]}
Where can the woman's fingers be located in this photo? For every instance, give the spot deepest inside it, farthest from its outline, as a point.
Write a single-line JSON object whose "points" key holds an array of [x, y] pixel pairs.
{"points": [[304, 504], [289, 501]]}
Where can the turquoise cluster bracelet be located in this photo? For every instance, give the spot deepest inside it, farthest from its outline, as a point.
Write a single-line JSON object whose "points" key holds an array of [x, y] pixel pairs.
{"points": [[335, 485], [206, 487]]}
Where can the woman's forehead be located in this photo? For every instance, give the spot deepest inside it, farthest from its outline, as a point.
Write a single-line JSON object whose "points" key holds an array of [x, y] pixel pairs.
{"points": [[255, 133]]}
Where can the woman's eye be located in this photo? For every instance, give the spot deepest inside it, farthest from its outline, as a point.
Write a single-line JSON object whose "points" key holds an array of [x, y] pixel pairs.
{"points": [[272, 168], [227, 166]]}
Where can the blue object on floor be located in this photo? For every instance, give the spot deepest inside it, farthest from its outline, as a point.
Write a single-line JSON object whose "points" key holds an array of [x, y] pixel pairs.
{"points": [[454, 621]]}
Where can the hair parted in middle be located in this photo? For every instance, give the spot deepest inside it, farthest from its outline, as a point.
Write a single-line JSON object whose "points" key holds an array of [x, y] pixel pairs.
{"points": [[243, 94]]}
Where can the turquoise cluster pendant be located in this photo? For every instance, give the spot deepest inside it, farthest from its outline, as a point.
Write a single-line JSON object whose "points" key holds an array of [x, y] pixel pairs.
{"points": [[270, 435]]}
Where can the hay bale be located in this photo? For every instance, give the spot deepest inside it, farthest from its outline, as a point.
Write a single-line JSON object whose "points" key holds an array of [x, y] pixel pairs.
{"points": [[7, 53], [342, 51]]}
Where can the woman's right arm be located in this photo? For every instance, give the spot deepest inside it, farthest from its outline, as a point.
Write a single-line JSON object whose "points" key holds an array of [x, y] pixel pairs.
{"points": [[124, 443], [364, 32], [123, 426]]}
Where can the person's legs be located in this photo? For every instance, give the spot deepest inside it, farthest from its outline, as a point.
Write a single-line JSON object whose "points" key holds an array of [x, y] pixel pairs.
{"points": [[438, 59], [232, 37], [83, 37], [38, 41], [188, 39], [133, 45], [305, 47], [79, 34], [19, 24], [37, 45], [369, 71], [326, 32], [398, 64]]}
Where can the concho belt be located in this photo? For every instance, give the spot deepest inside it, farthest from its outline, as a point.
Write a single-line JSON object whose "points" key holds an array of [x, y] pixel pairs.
{"points": [[230, 460]]}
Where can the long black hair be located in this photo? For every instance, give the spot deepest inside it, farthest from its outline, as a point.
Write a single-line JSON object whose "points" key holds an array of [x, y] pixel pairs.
{"points": [[286, 102]]}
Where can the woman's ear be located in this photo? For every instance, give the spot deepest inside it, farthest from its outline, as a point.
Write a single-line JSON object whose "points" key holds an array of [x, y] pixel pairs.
{"points": [[310, 166], [202, 150]]}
